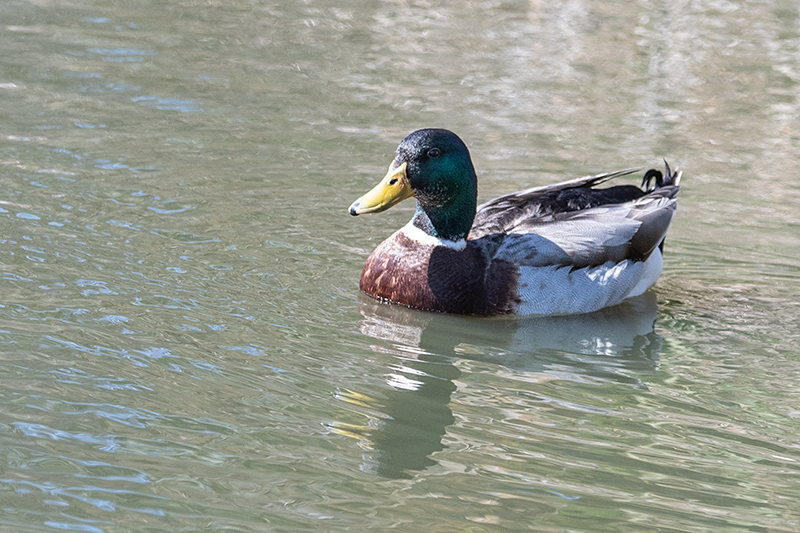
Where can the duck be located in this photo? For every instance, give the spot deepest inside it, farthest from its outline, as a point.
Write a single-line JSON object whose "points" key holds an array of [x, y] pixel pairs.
{"points": [[561, 249]]}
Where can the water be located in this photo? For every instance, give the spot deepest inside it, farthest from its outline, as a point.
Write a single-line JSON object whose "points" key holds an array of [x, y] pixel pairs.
{"points": [[182, 341]]}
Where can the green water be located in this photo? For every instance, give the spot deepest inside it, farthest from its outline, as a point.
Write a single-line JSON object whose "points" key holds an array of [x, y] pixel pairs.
{"points": [[183, 345]]}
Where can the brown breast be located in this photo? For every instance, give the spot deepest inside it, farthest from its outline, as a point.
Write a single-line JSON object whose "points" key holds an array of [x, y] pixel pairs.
{"points": [[438, 278]]}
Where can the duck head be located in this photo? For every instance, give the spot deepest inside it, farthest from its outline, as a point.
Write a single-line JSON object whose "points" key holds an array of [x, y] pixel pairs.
{"points": [[434, 166]]}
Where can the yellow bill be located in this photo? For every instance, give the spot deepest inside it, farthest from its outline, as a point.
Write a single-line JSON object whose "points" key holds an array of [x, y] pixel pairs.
{"points": [[393, 189]]}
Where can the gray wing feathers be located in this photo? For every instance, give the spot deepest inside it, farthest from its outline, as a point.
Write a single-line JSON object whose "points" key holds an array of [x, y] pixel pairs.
{"points": [[503, 202], [504, 213], [594, 236]]}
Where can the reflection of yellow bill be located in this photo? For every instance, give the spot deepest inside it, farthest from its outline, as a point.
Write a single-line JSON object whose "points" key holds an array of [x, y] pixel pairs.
{"points": [[393, 189], [356, 431]]}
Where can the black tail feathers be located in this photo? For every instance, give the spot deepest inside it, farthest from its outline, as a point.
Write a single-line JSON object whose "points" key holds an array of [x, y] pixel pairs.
{"points": [[653, 175]]}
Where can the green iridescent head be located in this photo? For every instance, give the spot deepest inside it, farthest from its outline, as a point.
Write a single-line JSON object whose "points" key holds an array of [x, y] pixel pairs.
{"points": [[435, 167]]}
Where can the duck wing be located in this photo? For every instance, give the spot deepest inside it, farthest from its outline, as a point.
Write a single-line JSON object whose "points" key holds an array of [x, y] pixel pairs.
{"points": [[572, 224], [500, 214]]}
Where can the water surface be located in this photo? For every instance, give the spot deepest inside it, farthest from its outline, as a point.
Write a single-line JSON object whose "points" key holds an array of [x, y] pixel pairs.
{"points": [[182, 341]]}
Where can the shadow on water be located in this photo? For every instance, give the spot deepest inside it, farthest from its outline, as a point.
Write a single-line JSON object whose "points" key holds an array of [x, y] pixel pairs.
{"points": [[405, 425]]}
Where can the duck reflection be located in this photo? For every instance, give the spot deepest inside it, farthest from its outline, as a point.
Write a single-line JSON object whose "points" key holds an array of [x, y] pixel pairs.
{"points": [[405, 425]]}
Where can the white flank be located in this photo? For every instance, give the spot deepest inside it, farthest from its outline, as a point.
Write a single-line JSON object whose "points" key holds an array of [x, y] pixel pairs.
{"points": [[652, 269], [417, 235], [560, 291]]}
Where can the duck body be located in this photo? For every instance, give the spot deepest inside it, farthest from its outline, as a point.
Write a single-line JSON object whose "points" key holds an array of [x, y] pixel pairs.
{"points": [[560, 249]]}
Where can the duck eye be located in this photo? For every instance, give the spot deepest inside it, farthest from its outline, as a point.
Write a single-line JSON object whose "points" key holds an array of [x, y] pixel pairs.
{"points": [[433, 153]]}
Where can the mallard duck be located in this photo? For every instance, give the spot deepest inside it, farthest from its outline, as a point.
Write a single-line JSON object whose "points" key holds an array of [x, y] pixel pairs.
{"points": [[560, 249]]}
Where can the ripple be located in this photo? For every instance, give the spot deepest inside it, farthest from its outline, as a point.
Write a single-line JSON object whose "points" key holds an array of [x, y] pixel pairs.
{"points": [[122, 54], [184, 105]]}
